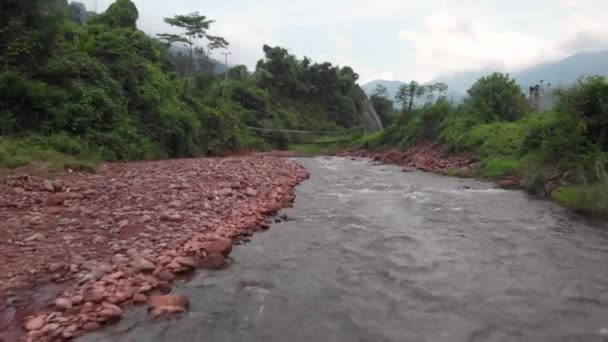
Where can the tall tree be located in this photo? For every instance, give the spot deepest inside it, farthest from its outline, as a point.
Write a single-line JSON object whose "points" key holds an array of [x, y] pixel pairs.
{"points": [[380, 91], [407, 93], [196, 27]]}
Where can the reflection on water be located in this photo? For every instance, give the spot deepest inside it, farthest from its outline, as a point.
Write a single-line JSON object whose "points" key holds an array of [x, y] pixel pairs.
{"points": [[375, 254]]}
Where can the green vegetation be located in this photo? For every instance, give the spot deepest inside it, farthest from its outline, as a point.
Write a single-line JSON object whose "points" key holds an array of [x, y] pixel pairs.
{"points": [[584, 199], [567, 145], [79, 86]]}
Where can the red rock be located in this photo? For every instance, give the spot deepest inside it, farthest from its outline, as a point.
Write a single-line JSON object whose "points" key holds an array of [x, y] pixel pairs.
{"points": [[70, 331], [54, 267], [94, 296], [140, 298], [167, 304], [251, 192], [50, 328], [145, 288], [57, 199], [35, 323], [77, 300], [117, 275], [213, 261], [165, 275], [172, 217], [143, 264], [63, 303], [110, 311], [186, 261], [219, 245]]}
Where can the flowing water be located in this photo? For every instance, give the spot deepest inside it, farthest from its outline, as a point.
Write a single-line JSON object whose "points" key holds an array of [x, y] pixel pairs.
{"points": [[376, 254]]}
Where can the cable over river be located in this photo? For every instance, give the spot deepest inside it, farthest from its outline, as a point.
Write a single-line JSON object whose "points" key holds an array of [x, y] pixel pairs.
{"points": [[375, 254]]}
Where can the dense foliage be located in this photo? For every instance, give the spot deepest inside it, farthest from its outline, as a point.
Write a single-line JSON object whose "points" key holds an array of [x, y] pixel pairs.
{"points": [[567, 145], [94, 85]]}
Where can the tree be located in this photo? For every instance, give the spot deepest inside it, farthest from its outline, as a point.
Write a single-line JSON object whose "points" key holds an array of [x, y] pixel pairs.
{"points": [[497, 97], [442, 88], [196, 27], [588, 100], [380, 91], [238, 73], [121, 14], [407, 93]]}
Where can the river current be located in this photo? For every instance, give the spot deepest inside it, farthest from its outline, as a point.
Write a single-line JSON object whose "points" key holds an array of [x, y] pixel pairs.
{"points": [[371, 253]]}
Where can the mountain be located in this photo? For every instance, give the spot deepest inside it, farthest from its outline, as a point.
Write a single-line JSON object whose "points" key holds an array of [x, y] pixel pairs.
{"points": [[561, 73], [391, 86], [566, 71]]}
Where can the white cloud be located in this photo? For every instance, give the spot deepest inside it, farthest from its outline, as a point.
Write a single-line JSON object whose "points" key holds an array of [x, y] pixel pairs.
{"points": [[587, 26], [245, 42], [389, 76], [450, 44]]}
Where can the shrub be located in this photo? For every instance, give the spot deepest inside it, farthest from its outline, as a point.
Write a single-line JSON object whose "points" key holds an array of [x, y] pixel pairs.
{"points": [[497, 97]]}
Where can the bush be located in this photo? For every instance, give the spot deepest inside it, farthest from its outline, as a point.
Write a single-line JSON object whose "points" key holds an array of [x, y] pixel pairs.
{"points": [[497, 97]]}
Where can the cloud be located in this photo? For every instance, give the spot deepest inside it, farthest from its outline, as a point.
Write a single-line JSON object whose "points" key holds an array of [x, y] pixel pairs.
{"points": [[245, 42], [586, 25], [449, 44]]}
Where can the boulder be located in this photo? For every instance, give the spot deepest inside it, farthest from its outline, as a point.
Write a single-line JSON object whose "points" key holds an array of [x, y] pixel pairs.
{"points": [[165, 275], [214, 261], [47, 185], [110, 311], [57, 199], [186, 262], [167, 304], [219, 245]]}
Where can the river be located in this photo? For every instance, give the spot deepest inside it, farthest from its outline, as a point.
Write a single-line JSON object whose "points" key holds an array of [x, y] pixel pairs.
{"points": [[371, 253]]}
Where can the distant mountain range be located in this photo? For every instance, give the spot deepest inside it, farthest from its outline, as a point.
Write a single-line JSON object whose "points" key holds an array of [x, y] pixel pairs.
{"points": [[561, 73]]}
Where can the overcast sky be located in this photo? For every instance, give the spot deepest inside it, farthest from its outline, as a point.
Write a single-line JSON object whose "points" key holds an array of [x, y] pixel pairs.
{"points": [[398, 39]]}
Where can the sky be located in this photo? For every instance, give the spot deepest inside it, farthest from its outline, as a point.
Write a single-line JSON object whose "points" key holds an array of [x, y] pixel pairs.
{"points": [[397, 40]]}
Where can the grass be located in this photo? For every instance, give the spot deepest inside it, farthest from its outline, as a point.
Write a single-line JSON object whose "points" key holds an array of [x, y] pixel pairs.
{"points": [[317, 149], [50, 153], [499, 167], [585, 199]]}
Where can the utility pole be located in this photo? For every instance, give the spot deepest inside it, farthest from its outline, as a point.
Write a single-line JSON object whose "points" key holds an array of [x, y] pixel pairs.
{"points": [[95, 6], [226, 65]]}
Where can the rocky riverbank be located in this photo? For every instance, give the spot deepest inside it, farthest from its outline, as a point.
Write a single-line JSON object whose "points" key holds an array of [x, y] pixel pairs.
{"points": [[426, 157], [78, 248], [430, 157]]}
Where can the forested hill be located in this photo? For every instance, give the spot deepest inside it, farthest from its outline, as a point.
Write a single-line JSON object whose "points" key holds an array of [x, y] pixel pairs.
{"points": [[81, 84]]}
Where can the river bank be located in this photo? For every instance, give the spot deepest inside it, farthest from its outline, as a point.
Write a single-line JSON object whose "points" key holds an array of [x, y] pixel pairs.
{"points": [[78, 248], [432, 157]]}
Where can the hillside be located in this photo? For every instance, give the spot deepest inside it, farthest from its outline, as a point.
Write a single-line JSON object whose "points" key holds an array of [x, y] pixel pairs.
{"points": [[116, 93], [563, 72]]}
